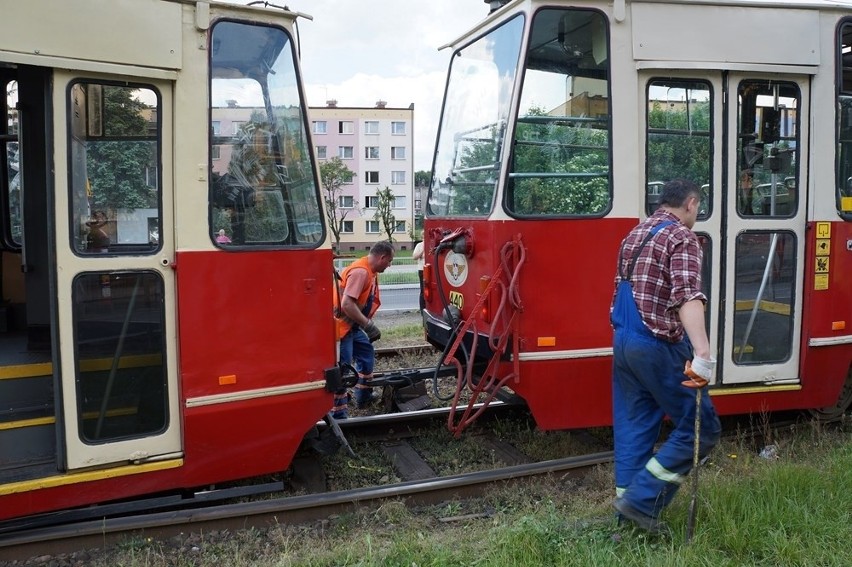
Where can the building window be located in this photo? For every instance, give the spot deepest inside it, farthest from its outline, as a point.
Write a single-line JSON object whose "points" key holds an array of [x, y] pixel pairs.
{"points": [[345, 152], [398, 152], [346, 127], [320, 126], [237, 125], [371, 202], [400, 226], [214, 152], [371, 152], [397, 177], [346, 201], [322, 152], [399, 201], [372, 227], [215, 126], [349, 178], [371, 177], [398, 128], [348, 227], [371, 127]]}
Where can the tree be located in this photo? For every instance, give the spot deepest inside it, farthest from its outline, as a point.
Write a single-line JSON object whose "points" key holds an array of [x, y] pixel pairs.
{"points": [[422, 178], [333, 174], [384, 211], [116, 164]]}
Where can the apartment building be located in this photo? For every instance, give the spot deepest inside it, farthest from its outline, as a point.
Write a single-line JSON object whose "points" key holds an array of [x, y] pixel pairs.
{"points": [[376, 144]]}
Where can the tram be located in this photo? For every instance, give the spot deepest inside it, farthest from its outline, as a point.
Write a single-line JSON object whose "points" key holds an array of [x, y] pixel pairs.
{"points": [[162, 238], [560, 123]]}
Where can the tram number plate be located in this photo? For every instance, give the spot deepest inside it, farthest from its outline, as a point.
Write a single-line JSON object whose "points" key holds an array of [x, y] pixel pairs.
{"points": [[457, 299]]}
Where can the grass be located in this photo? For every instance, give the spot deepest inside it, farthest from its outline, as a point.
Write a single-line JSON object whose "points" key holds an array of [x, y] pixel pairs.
{"points": [[795, 510]]}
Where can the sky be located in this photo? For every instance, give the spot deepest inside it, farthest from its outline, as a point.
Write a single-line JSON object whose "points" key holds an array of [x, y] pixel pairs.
{"points": [[360, 52]]}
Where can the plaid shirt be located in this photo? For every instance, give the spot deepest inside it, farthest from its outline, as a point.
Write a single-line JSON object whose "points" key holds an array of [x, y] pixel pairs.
{"points": [[667, 273]]}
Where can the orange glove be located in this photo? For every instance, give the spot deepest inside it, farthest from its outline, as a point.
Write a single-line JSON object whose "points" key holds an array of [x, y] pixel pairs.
{"points": [[695, 380]]}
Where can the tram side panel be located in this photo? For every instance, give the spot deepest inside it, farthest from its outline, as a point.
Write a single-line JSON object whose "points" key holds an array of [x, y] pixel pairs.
{"points": [[565, 286], [254, 341]]}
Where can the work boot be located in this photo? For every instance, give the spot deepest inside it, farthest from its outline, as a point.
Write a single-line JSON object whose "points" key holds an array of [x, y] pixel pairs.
{"points": [[645, 522]]}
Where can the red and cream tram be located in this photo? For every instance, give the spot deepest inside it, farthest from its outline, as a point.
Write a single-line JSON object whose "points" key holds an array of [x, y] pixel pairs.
{"points": [[162, 238], [560, 123]]}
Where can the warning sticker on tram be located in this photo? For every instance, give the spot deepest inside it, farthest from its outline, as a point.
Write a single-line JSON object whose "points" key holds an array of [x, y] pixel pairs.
{"points": [[821, 264], [457, 299]]}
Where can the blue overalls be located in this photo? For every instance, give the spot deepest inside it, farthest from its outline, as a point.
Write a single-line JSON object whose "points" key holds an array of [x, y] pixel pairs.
{"points": [[646, 386]]}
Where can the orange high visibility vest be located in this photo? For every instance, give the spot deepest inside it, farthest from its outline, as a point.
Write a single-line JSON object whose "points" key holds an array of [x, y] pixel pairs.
{"points": [[344, 323]]}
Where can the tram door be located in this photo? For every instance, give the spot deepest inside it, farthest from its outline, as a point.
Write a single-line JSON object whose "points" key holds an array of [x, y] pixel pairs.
{"points": [[114, 285], [765, 219], [741, 138]]}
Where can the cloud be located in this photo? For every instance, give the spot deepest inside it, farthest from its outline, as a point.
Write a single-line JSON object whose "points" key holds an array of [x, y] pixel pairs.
{"points": [[362, 52]]}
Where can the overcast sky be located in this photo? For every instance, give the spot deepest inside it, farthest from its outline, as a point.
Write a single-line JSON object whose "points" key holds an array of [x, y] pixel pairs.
{"points": [[359, 52]]}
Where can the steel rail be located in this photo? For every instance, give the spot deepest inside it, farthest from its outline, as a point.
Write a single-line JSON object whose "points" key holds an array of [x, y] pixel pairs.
{"points": [[108, 532]]}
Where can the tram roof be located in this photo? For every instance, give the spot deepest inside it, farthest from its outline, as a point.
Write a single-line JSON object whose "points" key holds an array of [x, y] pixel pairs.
{"points": [[774, 4]]}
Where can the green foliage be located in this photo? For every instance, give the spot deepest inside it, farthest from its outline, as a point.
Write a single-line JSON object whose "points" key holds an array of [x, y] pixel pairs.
{"points": [[116, 165], [547, 145], [384, 211], [685, 149], [333, 174]]}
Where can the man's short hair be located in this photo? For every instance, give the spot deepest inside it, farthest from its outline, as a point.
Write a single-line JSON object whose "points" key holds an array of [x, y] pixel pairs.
{"points": [[382, 248], [677, 191]]}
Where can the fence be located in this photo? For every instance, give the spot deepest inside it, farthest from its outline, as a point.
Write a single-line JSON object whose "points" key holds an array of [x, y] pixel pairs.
{"points": [[402, 271]]}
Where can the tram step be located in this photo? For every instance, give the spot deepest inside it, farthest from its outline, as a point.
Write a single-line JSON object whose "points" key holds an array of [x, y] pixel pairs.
{"points": [[24, 398], [28, 443]]}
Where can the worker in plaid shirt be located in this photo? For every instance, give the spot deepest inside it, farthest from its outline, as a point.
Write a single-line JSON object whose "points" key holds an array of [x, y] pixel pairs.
{"points": [[658, 318]]}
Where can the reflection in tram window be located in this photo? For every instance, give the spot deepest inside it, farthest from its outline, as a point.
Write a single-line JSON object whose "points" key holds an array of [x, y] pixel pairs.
{"points": [[679, 142], [561, 148], [9, 126], [764, 295], [474, 122], [768, 147], [119, 328], [115, 189], [263, 189]]}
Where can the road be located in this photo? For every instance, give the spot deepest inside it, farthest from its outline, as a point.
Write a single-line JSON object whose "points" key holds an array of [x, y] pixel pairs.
{"points": [[400, 297]]}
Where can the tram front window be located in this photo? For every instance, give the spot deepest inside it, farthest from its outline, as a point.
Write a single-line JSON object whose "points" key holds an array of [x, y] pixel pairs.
{"points": [[473, 123], [262, 188], [561, 147]]}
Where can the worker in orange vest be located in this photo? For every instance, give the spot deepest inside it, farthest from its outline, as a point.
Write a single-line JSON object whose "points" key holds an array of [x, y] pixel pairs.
{"points": [[356, 301]]}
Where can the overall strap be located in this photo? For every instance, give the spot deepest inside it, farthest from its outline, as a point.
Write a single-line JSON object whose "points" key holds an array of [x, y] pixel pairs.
{"points": [[638, 252]]}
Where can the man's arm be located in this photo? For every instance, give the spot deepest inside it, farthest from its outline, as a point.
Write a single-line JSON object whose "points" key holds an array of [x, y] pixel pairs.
{"points": [[350, 307], [692, 316]]}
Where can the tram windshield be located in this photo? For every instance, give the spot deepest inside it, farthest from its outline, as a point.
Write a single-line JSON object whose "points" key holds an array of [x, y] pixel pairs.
{"points": [[262, 187], [473, 123]]}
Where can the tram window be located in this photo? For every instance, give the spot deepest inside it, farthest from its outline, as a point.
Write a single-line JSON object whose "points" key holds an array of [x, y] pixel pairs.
{"points": [[844, 121], [561, 148], [475, 114], [10, 166], [263, 191], [768, 147], [764, 295], [679, 139], [114, 176], [119, 333]]}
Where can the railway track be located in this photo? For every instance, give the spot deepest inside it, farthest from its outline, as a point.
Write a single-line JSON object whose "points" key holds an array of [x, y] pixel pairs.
{"points": [[215, 511], [419, 486]]}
